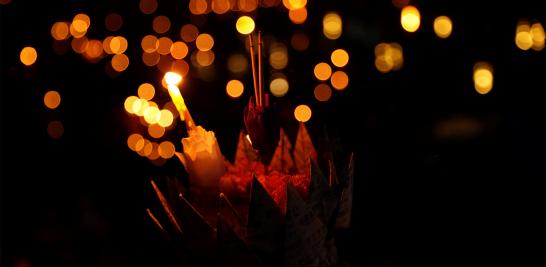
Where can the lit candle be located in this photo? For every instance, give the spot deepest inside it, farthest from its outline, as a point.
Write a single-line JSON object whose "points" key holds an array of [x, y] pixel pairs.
{"points": [[201, 157]]}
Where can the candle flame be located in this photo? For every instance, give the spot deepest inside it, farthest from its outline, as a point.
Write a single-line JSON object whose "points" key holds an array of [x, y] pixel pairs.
{"points": [[172, 78], [248, 138]]}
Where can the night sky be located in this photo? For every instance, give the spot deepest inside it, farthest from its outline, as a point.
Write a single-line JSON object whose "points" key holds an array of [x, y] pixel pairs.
{"points": [[443, 175]]}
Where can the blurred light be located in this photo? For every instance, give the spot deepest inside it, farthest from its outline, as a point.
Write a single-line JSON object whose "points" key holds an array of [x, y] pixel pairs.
{"points": [[538, 36], [248, 5], [28, 55], [300, 41], [94, 50], [79, 45], [147, 149], [164, 47], [278, 87], [339, 80], [237, 63], [106, 45], [129, 104], [245, 25], [483, 77], [340, 58], [146, 91], [120, 62], [297, 16], [149, 43], [278, 56], [165, 64], [132, 141], [172, 78], [204, 58], [150, 59], [155, 130], [235, 88], [302, 113], [172, 108], [198, 7], [294, 4], [139, 145], [269, 3], [79, 25], [118, 45], [179, 50], [166, 149], [410, 18], [161, 24], [400, 3], [180, 66], [443, 26], [220, 6], [204, 42], [322, 71], [148, 6], [113, 22], [323, 92], [152, 115], [165, 118], [155, 153], [388, 57], [189, 33], [140, 106], [52, 99], [60, 30], [55, 129], [332, 25]]}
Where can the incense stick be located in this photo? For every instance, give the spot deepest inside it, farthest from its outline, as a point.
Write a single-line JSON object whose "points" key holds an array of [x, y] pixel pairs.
{"points": [[253, 68], [166, 207], [260, 87]]}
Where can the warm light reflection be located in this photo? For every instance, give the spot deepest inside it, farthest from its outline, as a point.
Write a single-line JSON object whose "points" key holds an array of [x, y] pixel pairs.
{"points": [[332, 25], [302, 113], [118, 45], [322, 71], [149, 43], [52, 99], [80, 24], [152, 115], [279, 87], [164, 45], [278, 56], [113, 22], [94, 50], [388, 57], [120, 62], [235, 88], [483, 77], [166, 149], [139, 106], [237, 63], [204, 58], [298, 16], [28, 55], [204, 42], [148, 6], [323, 92], [161, 24], [299, 41], [179, 50], [538, 36], [155, 130], [55, 129], [245, 25], [339, 80], [443, 26], [60, 30], [166, 118], [220, 6], [340, 58], [129, 104], [189, 33], [132, 141], [410, 18], [294, 4]]}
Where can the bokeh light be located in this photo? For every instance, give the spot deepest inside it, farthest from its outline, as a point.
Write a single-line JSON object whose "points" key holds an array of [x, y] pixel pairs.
{"points": [[146, 91], [118, 45], [234, 88], [166, 149], [60, 30], [443, 26], [148, 6], [79, 45], [245, 25], [132, 141], [323, 92], [55, 129], [204, 42], [165, 118], [339, 80], [220, 6], [198, 7], [189, 33], [483, 77], [298, 16], [410, 18], [152, 115], [302, 113], [247, 5], [120, 62], [278, 56], [322, 71], [161, 24], [340, 58], [388, 57], [149, 43], [538, 36], [155, 130], [80, 24], [94, 50], [113, 22], [150, 59], [179, 50], [204, 58], [279, 87], [237, 63], [164, 45], [129, 104], [28, 55], [52, 99], [332, 25]]}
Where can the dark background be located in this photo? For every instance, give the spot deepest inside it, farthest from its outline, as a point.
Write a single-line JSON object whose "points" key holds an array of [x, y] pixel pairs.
{"points": [[470, 198]]}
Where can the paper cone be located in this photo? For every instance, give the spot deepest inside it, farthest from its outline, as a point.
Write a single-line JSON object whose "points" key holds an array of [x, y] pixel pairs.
{"points": [[245, 153], [231, 250], [198, 234], [231, 216], [346, 200], [282, 158], [304, 149]]}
